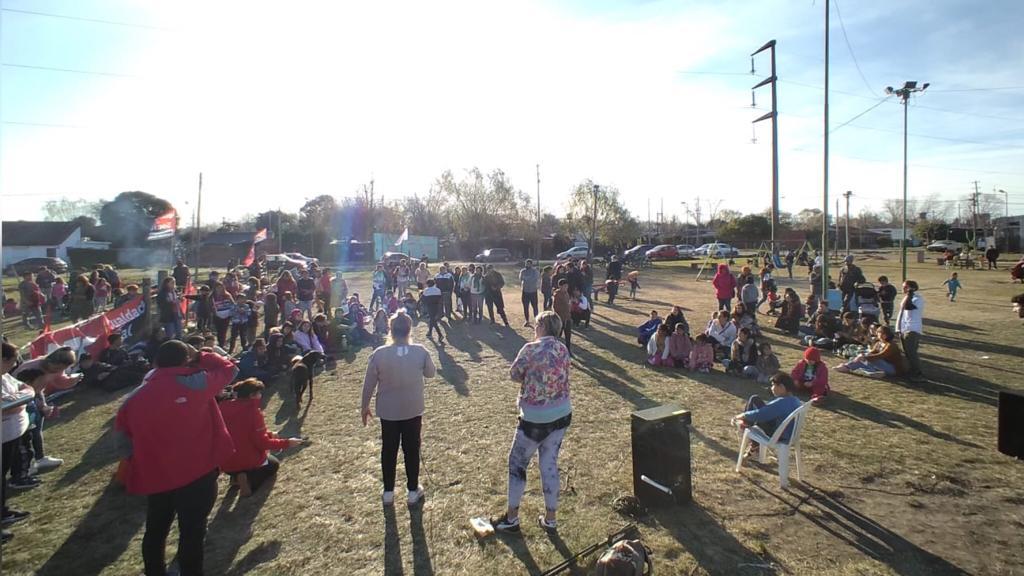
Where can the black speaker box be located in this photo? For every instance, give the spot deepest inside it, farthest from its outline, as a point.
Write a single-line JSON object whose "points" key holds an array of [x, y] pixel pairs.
{"points": [[1011, 424], [661, 452]]}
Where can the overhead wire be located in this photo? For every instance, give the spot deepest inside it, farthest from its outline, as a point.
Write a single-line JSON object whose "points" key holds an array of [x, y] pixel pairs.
{"points": [[83, 19], [849, 47], [70, 70]]}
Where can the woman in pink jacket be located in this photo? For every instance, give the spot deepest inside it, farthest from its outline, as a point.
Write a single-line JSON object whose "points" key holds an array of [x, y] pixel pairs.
{"points": [[725, 287]]}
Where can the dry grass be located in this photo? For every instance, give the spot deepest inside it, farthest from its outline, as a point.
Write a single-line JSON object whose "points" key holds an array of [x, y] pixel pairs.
{"points": [[902, 478]]}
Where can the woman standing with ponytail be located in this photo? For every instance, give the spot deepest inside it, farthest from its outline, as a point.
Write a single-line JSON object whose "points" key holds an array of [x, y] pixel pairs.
{"points": [[909, 326]]}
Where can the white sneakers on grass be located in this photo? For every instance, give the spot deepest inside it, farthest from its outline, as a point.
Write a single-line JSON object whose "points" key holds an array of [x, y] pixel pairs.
{"points": [[415, 496]]}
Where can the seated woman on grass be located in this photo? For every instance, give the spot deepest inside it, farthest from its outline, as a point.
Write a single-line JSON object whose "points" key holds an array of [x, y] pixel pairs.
{"points": [[679, 347], [648, 329], [251, 465], [743, 317], [676, 317], [884, 359], [722, 332], [791, 312], [743, 353], [658, 348]]}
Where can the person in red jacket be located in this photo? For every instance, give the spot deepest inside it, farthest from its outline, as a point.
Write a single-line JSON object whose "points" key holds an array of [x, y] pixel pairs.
{"points": [[811, 374], [725, 287], [173, 438], [250, 465]]}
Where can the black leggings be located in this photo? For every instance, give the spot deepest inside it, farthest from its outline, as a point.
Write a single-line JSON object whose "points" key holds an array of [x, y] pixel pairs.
{"points": [[10, 448], [221, 326], [192, 504], [257, 476], [406, 433], [529, 299], [567, 332]]}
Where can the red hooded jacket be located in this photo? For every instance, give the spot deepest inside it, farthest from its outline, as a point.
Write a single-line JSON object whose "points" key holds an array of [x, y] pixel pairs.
{"points": [[171, 426], [249, 433], [724, 283]]}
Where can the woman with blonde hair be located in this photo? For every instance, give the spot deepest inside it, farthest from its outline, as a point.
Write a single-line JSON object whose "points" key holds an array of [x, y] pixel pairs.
{"points": [[395, 373]]}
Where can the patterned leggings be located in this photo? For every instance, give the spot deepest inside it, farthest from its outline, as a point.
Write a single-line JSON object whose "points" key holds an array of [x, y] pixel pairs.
{"points": [[519, 459]]}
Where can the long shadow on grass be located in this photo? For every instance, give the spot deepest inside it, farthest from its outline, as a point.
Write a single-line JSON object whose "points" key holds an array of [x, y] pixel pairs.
{"points": [[461, 339], [421, 563], [865, 534], [944, 325], [79, 402], [517, 544], [948, 381], [452, 372], [971, 344], [703, 536], [101, 453], [598, 368], [392, 544], [101, 537], [857, 410], [232, 527]]}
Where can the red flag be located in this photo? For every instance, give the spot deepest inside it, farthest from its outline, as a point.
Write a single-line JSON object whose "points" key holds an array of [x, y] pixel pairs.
{"points": [[164, 225], [250, 257], [187, 291], [260, 236]]}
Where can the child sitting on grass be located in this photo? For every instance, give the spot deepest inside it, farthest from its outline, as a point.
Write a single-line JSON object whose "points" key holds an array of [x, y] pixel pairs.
{"points": [[767, 364], [742, 354], [702, 355], [811, 375], [380, 326], [679, 347]]}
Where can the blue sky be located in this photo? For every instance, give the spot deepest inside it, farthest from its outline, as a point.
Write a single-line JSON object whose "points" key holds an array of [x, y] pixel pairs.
{"points": [[276, 103]]}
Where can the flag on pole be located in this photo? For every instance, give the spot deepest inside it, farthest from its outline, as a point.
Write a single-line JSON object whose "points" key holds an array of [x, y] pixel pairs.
{"points": [[164, 226], [260, 236], [403, 238]]}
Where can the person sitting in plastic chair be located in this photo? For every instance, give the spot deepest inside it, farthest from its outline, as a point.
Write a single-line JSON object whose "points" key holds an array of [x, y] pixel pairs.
{"points": [[768, 416]]}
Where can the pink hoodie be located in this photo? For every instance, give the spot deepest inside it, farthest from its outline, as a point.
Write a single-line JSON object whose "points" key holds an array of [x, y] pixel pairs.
{"points": [[724, 283]]}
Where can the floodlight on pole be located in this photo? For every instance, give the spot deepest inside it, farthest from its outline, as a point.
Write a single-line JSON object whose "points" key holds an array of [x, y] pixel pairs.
{"points": [[904, 93]]}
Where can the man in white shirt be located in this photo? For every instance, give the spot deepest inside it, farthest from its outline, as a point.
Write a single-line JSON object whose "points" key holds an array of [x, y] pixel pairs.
{"points": [[909, 326], [15, 425]]}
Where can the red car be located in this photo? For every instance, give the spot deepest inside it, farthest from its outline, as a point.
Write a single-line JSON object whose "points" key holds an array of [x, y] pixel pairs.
{"points": [[663, 252]]}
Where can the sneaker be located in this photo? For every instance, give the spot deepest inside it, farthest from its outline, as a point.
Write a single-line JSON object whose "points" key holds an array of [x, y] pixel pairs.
{"points": [[416, 496], [24, 483], [503, 524], [388, 497], [527, 325], [551, 527], [48, 462], [14, 516], [33, 469], [5, 537]]}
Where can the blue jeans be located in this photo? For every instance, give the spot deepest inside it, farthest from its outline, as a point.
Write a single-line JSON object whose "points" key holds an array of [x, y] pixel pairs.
{"points": [[173, 329], [872, 366]]}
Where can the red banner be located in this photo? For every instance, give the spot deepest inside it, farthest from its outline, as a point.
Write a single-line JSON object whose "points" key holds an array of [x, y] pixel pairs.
{"points": [[90, 335]]}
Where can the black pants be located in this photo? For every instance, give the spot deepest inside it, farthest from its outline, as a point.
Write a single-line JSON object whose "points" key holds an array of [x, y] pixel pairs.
{"points": [[406, 433], [613, 290], [887, 312], [547, 300], [567, 333], [494, 300], [257, 476], [529, 299], [202, 323], [192, 504], [239, 331], [446, 303], [432, 325], [221, 326], [10, 448]]}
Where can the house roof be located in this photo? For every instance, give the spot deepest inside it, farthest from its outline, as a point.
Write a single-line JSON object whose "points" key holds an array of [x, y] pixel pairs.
{"points": [[23, 233]]}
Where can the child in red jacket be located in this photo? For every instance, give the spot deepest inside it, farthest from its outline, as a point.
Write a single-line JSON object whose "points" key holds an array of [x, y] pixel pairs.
{"points": [[811, 374], [250, 465]]}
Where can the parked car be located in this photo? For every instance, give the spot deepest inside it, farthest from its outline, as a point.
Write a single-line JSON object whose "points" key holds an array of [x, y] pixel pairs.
{"points": [[717, 250], [685, 250], [35, 264], [574, 252], [663, 252], [638, 251], [299, 256], [397, 257], [494, 255], [278, 262], [944, 245]]}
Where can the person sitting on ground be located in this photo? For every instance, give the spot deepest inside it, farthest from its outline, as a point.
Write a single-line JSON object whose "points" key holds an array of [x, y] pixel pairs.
{"points": [[157, 336], [742, 353], [380, 326], [648, 328], [679, 347], [677, 317], [657, 348], [251, 465], [94, 372], [702, 354], [767, 364], [580, 309], [210, 341], [811, 375], [306, 339], [254, 362], [769, 416], [792, 311], [848, 332], [884, 359], [412, 307], [742, 317], [722, 332]]}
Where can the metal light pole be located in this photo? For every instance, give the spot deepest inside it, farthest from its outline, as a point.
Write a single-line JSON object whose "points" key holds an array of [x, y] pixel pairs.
{"points": [[824, 200], [847, 195], [686, 226], [593, 225], [909, 87], [774, 137]]}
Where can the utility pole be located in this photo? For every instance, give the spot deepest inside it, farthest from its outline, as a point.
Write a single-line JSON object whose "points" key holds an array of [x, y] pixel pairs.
{"points": [[661, 219], [593, 225], [774, 115], [848, 194], [696, 219], [540, 238], [195, 233], [974, 217], [686, 225], [909, 87], [824, 197]]}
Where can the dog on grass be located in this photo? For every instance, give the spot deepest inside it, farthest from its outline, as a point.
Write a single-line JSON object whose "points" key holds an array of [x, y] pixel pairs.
{"points": [[302, 375]]}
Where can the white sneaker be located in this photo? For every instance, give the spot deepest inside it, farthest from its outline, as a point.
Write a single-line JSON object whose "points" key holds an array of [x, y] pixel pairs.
{"points": [[388, 498], [416, 495], [33, 469], [48, 462]]}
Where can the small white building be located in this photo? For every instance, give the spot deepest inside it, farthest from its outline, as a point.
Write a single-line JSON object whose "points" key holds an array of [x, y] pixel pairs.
{"points": [[22, 239]]}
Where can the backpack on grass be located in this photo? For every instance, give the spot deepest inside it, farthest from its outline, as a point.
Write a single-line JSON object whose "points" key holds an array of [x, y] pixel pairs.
{"points": [[625, 558]]}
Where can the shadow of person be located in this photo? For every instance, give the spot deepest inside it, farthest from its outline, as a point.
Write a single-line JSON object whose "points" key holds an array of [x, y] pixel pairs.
{"points": [[566, 553], [392, 544], [452, 372], [100, 454], [421, 563], [232, 525], [105, 532], [517, 544], [715, 549], [261, 554], [844, 405]]}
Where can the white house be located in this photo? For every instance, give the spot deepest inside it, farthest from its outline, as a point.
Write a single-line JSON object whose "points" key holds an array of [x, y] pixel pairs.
{"points": [[23, 239]]}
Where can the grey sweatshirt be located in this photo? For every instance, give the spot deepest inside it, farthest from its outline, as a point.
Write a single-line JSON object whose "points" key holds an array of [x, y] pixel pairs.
{"points": [[530, 277], [396, 373]]}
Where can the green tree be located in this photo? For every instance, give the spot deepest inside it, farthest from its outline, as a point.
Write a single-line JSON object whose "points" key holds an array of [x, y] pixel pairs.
{"points": [[931, 230], [615, 225], [128, 218], [65, 210], [483, 206], [749, 228]]}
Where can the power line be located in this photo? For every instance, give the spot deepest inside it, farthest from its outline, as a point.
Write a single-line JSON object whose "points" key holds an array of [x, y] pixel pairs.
{"points": [[71, 70], [850, 48], [992, 89], [873, 106], [40, 124], [83, 19]]}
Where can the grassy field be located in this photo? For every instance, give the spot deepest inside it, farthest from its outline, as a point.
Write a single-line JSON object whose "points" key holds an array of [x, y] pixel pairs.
{"points": [[901, 478]]}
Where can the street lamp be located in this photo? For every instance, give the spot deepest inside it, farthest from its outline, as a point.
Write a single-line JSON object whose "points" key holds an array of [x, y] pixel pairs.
{"points": [[909, 87], [686, 216]]}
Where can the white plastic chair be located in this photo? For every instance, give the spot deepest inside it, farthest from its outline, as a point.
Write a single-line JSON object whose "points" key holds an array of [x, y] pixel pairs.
{"points": [[782, 449]]}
